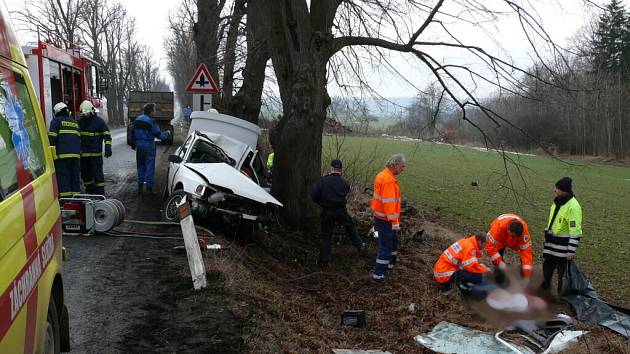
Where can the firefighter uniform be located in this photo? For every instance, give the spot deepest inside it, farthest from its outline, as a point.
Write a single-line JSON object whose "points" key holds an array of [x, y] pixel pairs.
{"points": [[145, 131], [330, 193], [94, 132], [65, 137], [499, 239], [460, 262], [563, 233], [385, 207]]}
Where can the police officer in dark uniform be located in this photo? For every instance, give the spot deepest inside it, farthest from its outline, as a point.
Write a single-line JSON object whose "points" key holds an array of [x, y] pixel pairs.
{"points": [[330, 193], [65, 137]]}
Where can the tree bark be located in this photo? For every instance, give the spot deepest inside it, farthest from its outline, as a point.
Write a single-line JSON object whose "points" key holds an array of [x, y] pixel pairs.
{"points": [[300, 50], [247, 102]]}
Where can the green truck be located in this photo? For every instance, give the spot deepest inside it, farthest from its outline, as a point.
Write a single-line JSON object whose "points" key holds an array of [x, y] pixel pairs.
{"points": [[163, 109]]}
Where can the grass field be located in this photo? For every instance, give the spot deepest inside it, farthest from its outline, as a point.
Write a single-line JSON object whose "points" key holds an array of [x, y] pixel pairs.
{"points": [[439, 179]]}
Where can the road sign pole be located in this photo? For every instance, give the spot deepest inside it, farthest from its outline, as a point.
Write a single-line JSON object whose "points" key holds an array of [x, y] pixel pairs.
{"points": [[202, 102]]}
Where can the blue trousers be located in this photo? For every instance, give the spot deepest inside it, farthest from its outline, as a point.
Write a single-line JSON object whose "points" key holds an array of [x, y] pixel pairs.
{"points": [[68, 172], [387, 253], [145, 162]]}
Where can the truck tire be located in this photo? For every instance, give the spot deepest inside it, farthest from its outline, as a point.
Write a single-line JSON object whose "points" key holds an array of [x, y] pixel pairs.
{"points": [[169, 211], [52, 339]]}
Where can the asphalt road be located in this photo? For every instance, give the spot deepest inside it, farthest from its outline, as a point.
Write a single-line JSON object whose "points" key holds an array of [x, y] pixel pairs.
{"points": [[97, 319]]}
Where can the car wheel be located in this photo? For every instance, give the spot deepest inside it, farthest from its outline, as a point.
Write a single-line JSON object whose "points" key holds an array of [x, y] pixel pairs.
{"points": [[169, 212], [52, 340]]}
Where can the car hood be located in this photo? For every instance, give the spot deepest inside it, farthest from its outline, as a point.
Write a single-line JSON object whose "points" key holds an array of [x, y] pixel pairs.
{"points": [[226, 176]]}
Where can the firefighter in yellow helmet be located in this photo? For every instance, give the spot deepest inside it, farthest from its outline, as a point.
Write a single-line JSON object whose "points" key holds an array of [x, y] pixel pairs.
{"points": [[94, 132]]}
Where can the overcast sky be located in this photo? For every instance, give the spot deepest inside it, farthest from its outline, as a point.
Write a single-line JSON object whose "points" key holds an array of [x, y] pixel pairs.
{"points": [[562, 19]]}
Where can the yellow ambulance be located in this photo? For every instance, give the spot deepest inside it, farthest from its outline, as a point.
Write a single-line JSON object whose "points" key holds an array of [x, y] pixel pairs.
{"points": [[33, 316]]}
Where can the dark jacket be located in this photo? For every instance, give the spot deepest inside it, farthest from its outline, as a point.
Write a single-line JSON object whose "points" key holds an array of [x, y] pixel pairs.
{"points": [[331, 191], [94, 131], [65, 137]]}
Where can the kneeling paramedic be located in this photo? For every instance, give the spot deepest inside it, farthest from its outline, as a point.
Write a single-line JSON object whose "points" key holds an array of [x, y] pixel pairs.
{"points": [[460, 263], [510, 230], [65, 137], [94, 131], [145, 131]]}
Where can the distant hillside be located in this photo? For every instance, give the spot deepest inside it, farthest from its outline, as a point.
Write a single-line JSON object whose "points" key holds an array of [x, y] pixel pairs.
{"points": [[386, 110]]}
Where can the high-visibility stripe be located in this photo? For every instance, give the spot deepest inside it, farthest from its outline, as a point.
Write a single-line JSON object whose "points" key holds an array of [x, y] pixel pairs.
{"points": [[68, 131], [88, 182], [393, 216], [99, 184], [379, 213], [108, 142], [376, 196], [444, 274], [495, 256], [381, 261], [491, 239], [66, 194], [52, 134], [91, 154], [391, 200], [95, 133], [557, 254], [450, 257], [67, 156], [394, 253], [469, 261], [377, 277], [556, 247], [527, 266]]}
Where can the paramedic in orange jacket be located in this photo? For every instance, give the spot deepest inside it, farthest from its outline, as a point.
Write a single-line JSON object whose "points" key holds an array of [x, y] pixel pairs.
{"points": [[510, 230], [460, 263], [386, 210]]}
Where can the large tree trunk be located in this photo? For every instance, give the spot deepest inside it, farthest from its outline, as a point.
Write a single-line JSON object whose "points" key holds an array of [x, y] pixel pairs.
{"points": [[300, 49], [247, 102]]}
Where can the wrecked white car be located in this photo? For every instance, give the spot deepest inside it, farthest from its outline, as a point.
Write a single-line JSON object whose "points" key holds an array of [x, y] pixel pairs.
{"points": [[219, 169]]}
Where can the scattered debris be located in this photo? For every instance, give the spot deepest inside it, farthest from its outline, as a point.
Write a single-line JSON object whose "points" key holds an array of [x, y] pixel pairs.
{"points": [[450, 338], [358, 351], [355, 318]]}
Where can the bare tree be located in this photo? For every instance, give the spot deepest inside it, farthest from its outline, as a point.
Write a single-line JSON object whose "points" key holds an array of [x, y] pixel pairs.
{"points": [[304, 37], [60, 18]]}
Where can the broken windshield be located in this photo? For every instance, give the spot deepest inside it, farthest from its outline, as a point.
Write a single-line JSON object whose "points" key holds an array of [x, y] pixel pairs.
{"points": [[206, 152]]}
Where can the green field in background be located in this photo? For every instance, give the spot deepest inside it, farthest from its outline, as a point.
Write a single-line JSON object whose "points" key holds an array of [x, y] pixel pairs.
{"points": [[438, 181]]}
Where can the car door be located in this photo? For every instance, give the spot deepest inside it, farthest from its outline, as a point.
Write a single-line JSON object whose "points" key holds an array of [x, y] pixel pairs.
{"points": [[182, 152]]}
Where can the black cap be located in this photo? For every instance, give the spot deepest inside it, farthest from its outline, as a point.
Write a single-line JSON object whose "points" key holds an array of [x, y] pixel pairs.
{"points": [[564, 184], [336, 163]]}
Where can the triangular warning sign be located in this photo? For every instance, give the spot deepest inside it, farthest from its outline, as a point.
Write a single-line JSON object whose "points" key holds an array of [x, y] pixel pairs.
{"points": [[202, 82]]}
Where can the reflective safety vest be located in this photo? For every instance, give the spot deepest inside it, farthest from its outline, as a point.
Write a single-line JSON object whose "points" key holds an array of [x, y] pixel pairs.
{"points": [[386, 198], [463, 254], [566, 229], [498, 238]]}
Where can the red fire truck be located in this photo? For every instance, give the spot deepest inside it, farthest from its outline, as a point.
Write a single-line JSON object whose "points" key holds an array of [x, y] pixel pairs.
{"points": [[60, 72]]}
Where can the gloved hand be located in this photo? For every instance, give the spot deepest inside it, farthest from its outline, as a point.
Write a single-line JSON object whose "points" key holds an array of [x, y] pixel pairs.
{"points": [[396, 227], [108, 151]]}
